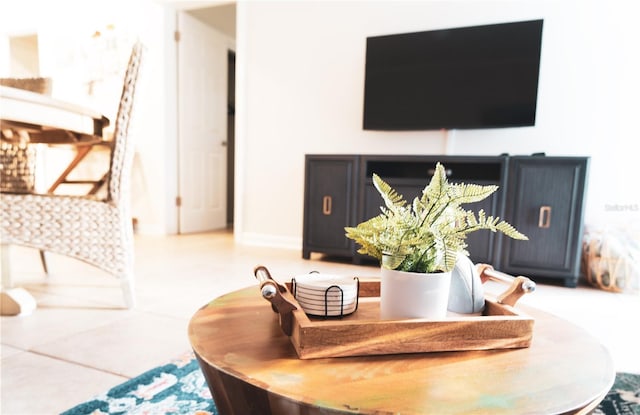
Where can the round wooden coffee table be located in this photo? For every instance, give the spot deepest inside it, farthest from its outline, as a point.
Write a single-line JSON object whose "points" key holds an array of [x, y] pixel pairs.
{"points": [[251, 367]]}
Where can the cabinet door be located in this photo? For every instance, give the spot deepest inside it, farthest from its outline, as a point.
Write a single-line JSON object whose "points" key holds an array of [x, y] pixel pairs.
{"points": [[545, 202], [329, 205]]}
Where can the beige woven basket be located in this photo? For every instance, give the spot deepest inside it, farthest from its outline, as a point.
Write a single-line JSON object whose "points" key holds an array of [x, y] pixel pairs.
{"points": [[611, 261], [39, 85], [18, 159], [17, 167]]}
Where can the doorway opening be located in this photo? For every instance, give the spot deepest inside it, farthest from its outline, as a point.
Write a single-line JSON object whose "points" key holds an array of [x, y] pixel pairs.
{"points": [[206, 84]]}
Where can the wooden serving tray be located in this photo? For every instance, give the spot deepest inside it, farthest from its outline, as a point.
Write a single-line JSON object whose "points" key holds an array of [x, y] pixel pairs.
{"points": [[362, 333]]}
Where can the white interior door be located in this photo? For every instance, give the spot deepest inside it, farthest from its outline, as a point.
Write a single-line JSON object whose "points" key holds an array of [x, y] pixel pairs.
{"points": [[202, 126]]}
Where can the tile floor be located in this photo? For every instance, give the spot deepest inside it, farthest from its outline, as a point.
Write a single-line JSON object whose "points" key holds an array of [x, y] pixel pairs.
{"points": [[80, 342]]}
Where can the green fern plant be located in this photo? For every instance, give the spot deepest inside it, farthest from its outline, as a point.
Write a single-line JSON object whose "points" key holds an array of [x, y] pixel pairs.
{"points": [[427, 235]]}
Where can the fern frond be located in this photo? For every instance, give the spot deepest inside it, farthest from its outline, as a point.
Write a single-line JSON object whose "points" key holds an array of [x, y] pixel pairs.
{"points": [[392, 199], [438, 184], [510, 231], [470, 193]]}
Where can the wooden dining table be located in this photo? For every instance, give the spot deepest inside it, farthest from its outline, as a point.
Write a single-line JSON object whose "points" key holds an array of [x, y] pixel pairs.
{"points": [[41, 119]]}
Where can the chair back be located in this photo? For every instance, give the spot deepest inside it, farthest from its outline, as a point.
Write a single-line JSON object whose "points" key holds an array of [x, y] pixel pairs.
{"points": [[122, 152]]}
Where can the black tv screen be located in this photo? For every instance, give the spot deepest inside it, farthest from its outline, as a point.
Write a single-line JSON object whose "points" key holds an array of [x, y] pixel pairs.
{"points": [[461, 78]]}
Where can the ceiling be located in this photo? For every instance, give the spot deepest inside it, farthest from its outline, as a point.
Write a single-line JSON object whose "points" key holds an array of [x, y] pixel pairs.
{"points": [[221, 17]]}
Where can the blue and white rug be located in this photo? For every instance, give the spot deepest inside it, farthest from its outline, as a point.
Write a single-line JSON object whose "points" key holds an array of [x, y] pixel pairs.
{"points": [[175, 388], [179, 388], [623, 398]]}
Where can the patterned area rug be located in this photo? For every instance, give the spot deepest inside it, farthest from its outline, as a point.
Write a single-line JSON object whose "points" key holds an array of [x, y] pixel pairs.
{"points": [[623, 398], [179, 388], [175, 388]]}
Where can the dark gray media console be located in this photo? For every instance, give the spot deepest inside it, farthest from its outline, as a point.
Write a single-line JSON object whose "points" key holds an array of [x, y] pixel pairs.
{"points": [[543, 197]]}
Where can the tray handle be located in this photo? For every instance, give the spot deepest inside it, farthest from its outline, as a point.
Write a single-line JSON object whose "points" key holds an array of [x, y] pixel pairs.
{"points": [[518, 287], [275, 293]]}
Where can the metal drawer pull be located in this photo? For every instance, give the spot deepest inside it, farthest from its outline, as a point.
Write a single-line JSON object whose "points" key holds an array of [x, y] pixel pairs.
{"points": [[544, 218], [326, 205]]}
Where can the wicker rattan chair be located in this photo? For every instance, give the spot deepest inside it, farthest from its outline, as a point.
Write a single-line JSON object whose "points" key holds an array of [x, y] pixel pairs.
{"points": [[96, 231]]}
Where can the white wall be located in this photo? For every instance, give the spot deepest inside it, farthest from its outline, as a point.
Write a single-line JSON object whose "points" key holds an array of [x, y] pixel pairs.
{"points": [[301, 75]]}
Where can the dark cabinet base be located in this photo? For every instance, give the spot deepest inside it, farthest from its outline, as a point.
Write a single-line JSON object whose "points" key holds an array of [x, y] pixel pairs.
{"points": [[541, 196]]}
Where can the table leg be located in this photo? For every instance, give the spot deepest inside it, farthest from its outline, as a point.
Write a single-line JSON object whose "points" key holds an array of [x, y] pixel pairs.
{"points": [[80, 155]]}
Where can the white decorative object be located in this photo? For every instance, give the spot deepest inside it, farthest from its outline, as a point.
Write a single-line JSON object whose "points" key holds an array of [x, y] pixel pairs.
{"points": [[326, 295], [406, 295], [467, 292]]}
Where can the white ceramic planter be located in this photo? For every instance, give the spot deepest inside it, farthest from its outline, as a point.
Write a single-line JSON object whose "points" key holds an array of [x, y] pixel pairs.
{"points": [[413, 295]]}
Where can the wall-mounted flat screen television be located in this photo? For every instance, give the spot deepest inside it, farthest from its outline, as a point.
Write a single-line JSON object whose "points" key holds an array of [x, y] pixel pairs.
{"points": [[460, 78]]}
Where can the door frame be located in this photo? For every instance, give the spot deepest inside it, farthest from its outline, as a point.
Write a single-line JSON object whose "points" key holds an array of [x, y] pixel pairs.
{"points": [[172, 144]]}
